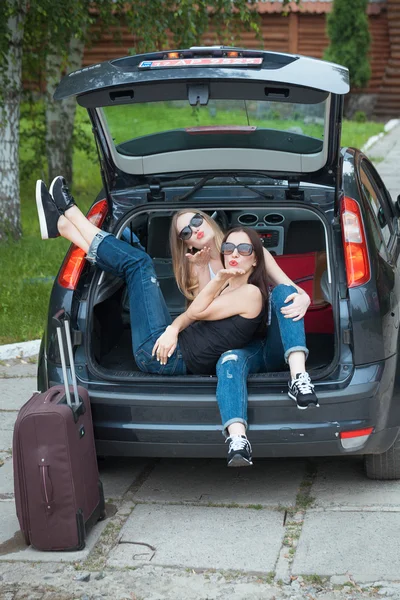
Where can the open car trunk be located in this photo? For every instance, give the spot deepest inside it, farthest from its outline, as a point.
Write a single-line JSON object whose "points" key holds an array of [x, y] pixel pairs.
{"points": [[297, 236]]}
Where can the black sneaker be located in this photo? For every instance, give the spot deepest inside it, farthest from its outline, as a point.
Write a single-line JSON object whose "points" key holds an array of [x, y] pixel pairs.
{"points": [[61, 195], [47, 211], [239, 453], [301, 390]]}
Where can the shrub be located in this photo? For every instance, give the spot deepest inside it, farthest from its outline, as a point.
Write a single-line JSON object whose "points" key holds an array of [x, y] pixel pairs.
{"points": [[348, 31], [360, 116]]}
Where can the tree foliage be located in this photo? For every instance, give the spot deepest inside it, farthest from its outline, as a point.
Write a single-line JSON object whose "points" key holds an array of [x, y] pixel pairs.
{"points": [[348, 31], [51, 28]]}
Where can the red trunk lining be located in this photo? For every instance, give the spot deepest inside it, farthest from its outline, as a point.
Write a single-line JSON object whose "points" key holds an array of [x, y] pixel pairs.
{"points": [[306, 270]]}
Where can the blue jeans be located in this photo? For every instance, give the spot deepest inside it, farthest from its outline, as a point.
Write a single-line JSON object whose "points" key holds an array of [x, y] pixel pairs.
{"points": [[283, 337], [148, 312]]}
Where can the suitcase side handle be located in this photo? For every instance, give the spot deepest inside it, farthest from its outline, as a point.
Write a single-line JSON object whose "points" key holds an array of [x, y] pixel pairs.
{"points": [[46, 485]]}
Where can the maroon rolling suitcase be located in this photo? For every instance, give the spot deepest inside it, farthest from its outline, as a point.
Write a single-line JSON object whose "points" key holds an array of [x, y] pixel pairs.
{"points": [[58, 493]]}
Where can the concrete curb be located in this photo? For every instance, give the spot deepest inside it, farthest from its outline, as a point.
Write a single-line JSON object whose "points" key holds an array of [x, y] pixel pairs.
{"points": [[19, 350], [372, 140]]}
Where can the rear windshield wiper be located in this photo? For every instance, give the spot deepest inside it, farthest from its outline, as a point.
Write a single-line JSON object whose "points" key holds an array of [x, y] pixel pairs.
{"points": [[262, 194], [201, 183], [196, 187]]}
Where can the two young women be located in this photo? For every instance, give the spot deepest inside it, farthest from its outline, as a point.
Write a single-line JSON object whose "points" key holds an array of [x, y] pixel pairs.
{"points": [[226, 282]]}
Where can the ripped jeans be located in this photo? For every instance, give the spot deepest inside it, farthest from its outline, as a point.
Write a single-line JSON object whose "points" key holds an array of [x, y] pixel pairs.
{"points": [[283, 337], [148, 311]]}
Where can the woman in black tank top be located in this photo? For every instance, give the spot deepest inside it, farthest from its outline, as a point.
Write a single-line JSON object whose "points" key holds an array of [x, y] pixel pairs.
{"points": [[228, 313]]}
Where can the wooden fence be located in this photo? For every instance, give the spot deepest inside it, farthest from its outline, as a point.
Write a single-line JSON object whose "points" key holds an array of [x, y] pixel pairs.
{"points": [[303, 31]]}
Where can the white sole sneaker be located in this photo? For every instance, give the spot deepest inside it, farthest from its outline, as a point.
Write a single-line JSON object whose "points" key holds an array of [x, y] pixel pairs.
{"points": [[55, 180], [39, 205], [311, 405], [239, 461]]}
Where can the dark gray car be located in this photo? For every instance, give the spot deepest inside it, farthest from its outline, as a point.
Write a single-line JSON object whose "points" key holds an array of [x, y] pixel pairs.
{"points": [[253, 138]]}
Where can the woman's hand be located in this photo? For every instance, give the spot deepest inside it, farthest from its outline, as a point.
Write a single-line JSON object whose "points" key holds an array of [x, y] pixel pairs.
{"points": [[224, 275], [165, 345], [200, 259], [298, 308]]}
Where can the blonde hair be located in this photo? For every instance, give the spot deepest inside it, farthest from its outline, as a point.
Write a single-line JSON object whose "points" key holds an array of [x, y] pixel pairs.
{"points": [[185, 280]]}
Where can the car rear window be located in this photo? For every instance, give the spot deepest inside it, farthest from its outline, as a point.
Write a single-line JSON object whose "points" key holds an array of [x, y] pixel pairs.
{"points": [[142, 129]]}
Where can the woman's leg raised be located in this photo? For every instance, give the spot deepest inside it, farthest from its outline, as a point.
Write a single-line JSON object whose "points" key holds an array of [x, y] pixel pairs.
{"points": [[70, 232], [148, 311]]}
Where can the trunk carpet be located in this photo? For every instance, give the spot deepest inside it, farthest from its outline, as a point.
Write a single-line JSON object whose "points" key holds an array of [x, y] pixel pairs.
{"points": [[120, 357]]}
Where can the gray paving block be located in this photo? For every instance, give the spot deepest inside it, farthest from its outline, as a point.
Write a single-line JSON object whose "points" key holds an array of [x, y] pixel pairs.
{"points": [[343, 483], [5, 438], [365, 545], [9, 527], [118, 474], [269, 482], [200, 538], [6, 479], [14, 368], [15, 392], [7, 420], [13, 547]]}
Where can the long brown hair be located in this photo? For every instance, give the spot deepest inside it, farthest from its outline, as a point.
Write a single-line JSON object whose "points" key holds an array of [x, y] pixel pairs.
{"points": [[183, 275], [258, 276]]}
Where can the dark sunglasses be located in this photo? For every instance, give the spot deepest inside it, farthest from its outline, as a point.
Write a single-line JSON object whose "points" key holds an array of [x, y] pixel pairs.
{"points": [[187, 231], [243, 249]]}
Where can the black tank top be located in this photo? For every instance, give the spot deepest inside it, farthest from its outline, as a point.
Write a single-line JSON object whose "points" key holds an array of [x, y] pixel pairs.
{"points": [[203, 342]]}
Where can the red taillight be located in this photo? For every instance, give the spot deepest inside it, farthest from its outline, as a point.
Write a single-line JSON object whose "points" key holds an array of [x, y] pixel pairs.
{"points": [[356, 433], [75, 259], [355, 246]]}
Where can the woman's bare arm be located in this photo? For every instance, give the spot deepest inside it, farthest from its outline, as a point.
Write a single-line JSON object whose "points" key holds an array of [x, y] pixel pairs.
{"points": [[246, 300], [301, 300]]}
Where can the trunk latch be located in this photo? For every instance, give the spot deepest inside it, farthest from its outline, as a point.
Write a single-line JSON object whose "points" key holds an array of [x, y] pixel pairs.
{"points": [[155, 194], [293, 192]]}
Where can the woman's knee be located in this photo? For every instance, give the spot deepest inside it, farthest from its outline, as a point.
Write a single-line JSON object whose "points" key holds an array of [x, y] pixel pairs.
{"points": [[232, 359], [281, 292]]}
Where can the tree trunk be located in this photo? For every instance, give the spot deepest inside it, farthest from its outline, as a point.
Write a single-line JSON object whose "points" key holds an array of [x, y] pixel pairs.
{"points": [[10, 83], [60, 116]]}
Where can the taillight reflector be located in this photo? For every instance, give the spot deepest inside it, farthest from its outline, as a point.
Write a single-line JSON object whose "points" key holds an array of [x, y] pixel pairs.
{"points": [[75, 259], [355, 433], [354, 243]]}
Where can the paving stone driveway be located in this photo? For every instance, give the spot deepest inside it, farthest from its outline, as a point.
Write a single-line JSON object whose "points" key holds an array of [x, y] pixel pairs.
{"points": [[282, 522]]}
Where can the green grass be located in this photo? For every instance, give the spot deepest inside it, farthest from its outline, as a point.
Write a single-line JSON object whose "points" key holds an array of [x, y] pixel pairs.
{"points": [[28, 266], [356, 134], [137, 120]]}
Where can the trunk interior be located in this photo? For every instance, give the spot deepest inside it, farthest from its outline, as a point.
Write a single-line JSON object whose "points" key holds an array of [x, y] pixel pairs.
{"points": [[295, 234]]}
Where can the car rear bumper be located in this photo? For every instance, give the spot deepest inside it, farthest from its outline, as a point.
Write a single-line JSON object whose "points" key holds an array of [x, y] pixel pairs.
{"points": [[184, 421], [213, 447]]}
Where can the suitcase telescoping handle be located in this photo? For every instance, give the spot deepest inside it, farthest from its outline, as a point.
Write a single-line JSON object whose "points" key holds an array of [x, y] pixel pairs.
{"points": [[62, 322]]}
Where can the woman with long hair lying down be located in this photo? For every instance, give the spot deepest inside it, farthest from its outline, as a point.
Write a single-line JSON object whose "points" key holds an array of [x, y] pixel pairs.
{"points": [[229, 312]]}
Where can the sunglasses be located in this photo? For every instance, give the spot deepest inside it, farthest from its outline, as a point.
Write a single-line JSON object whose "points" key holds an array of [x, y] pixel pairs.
{"points": [[187, 231], [243, 249]]}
